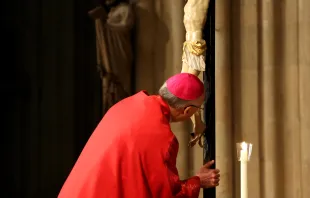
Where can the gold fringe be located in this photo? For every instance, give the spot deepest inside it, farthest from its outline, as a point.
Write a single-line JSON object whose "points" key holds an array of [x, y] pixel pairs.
{"points": [[195, 47]]}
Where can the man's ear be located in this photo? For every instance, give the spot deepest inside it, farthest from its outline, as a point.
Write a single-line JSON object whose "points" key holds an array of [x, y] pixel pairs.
{"points": [[187, 110]]}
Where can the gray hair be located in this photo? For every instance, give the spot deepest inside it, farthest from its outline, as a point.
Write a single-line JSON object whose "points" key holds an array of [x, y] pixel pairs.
{"points": [[171, 99]]}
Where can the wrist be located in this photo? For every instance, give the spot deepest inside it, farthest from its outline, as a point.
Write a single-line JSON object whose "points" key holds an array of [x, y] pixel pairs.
{"points": [[196, 180]]}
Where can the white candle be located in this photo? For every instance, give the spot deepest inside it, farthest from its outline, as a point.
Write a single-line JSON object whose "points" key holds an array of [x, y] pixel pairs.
{"points": [[243, 170]]}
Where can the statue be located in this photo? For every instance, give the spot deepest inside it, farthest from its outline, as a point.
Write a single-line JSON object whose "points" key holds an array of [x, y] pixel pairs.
{"points": [[194, 49], [114, 21]]}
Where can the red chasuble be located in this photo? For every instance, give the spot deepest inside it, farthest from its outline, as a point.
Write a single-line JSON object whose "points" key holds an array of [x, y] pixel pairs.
{"points": [[131, 154]]}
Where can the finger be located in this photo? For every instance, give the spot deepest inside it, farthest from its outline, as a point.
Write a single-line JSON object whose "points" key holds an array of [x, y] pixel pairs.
{"points": [[214, 171], [209, 164], [215, 181], [216, 176]]}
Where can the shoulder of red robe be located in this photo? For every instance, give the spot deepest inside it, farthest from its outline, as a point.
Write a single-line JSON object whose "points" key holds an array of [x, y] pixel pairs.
{"points": [[185, 86]]}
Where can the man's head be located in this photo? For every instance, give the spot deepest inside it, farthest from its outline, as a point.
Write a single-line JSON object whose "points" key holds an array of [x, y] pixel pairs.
{"points": [[184, 93]]}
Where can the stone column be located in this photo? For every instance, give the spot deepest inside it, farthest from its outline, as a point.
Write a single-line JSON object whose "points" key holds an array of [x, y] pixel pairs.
{"points": [[224, 143]]}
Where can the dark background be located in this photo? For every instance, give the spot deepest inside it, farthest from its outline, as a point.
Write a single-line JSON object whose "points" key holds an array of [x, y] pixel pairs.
{"points": [[50, 92]]}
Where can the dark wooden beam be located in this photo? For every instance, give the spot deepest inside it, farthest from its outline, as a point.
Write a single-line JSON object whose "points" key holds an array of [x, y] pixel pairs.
{"points": [[209, 80]]}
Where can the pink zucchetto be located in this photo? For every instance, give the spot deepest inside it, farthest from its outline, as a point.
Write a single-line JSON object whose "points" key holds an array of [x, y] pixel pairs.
{"points": [[185, 86]]}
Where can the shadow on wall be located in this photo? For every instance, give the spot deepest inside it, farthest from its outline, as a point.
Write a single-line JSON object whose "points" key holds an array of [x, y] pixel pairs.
{"points": [[151, 37], [279, 89]]}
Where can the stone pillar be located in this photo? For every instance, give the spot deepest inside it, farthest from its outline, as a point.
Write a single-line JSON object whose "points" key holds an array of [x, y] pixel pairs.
{"points": [[223, 125]]}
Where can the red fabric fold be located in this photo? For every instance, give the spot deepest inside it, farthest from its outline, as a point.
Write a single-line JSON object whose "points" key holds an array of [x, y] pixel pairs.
{"points": [[131, 154]]}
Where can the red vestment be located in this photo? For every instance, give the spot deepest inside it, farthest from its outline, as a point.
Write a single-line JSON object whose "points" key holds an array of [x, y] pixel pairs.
{"points": [[131, 154]]}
